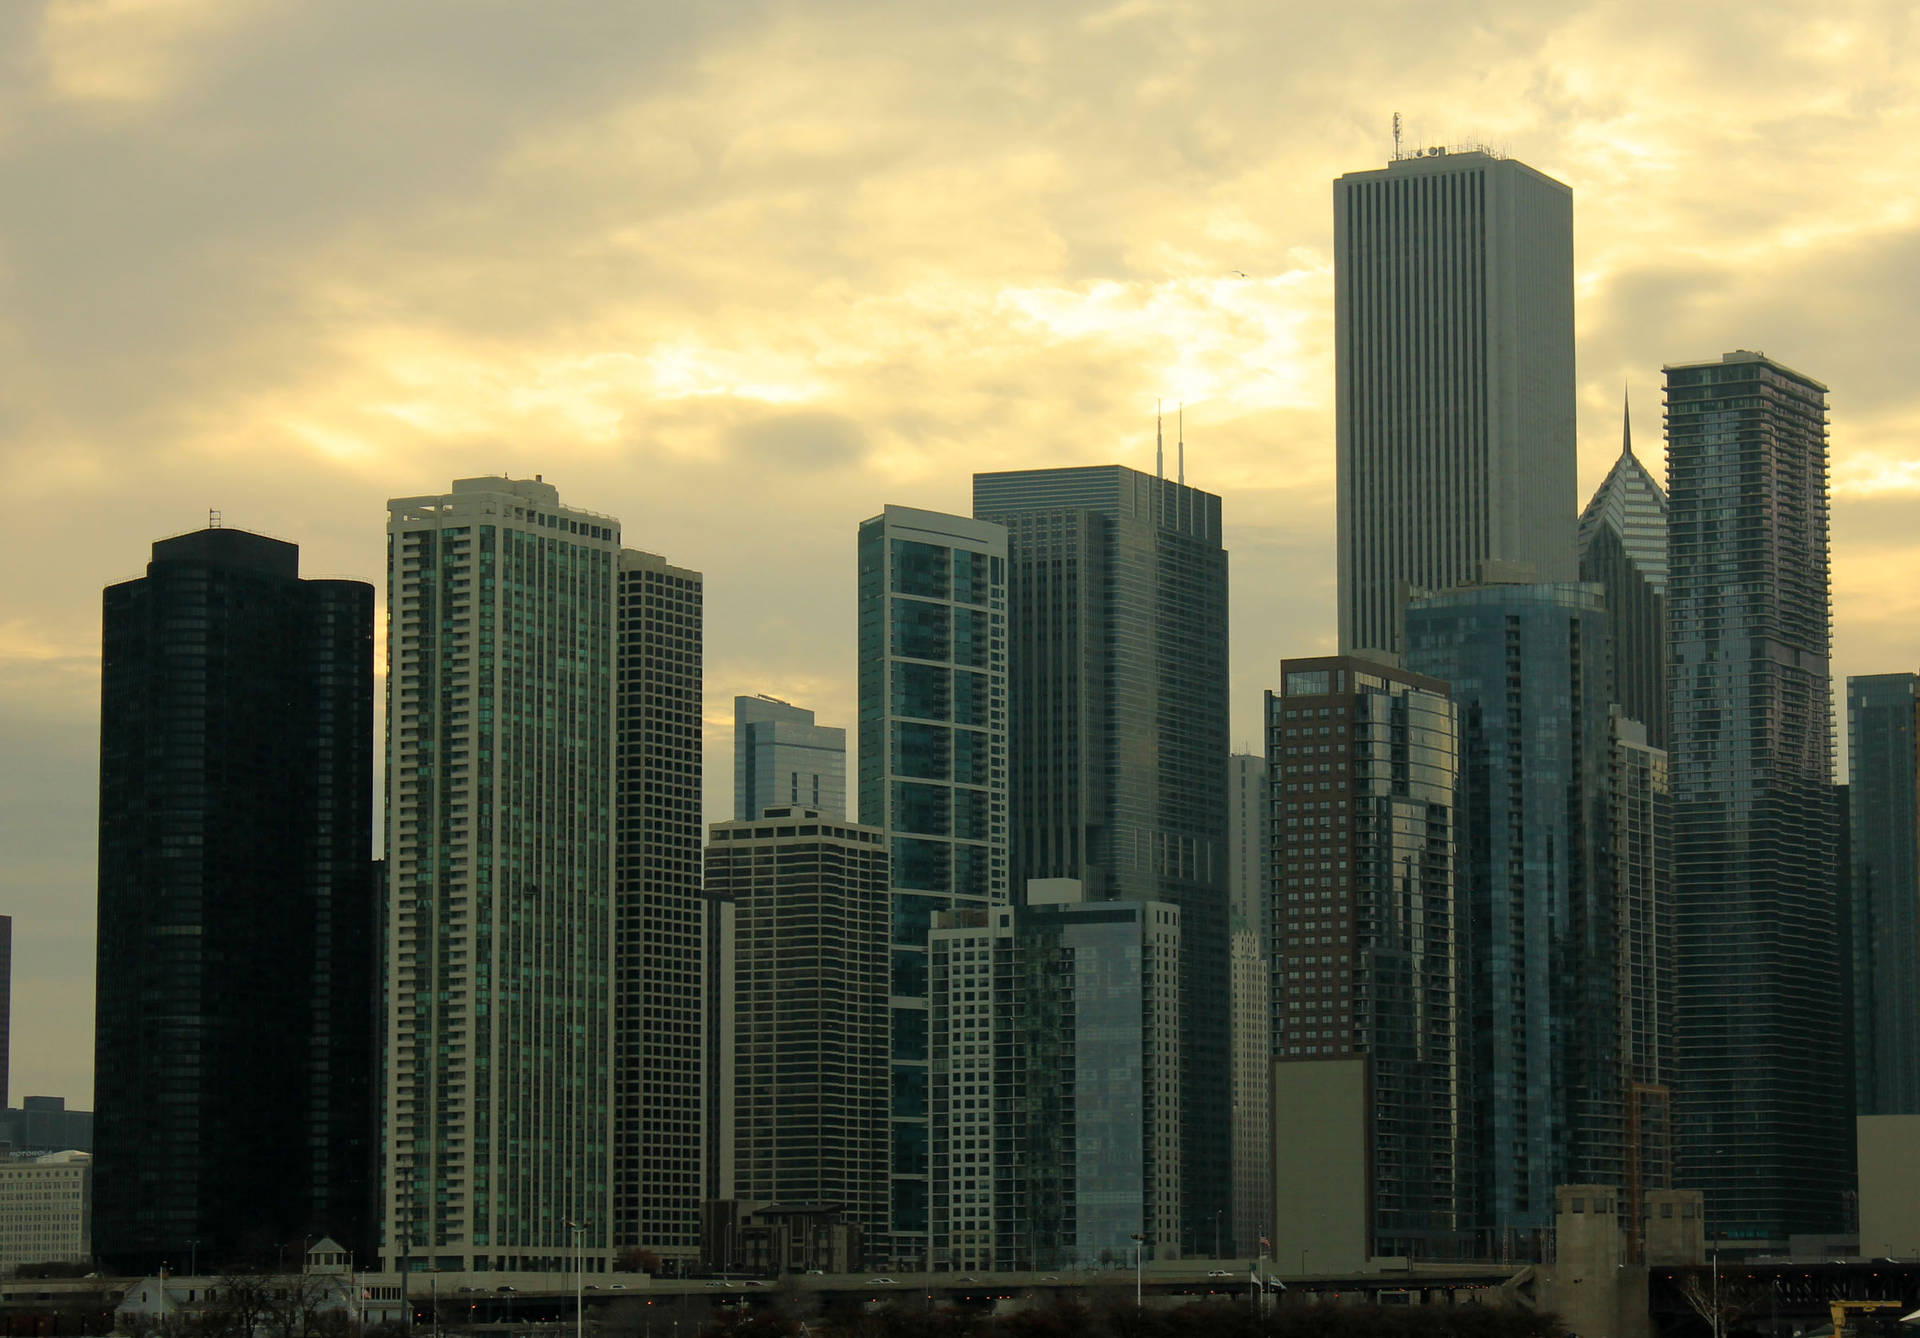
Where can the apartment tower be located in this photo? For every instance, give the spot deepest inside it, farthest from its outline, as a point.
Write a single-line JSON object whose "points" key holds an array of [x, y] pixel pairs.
{"points": [[933, 777], [502, 696], [780, 756], [1763, 1119], [1454, 400], [1883, 762], [1369, 1035]]}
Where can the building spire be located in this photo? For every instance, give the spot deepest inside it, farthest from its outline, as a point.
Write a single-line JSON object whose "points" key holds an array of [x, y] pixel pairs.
{"points": [[1183, 443], [1159, 443], [1626, 422]]}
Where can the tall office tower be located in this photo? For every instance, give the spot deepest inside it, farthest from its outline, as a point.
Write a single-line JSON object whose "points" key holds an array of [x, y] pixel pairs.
{"points": [[808, 980], [933, 768], [1623, 548], [1453, 392], [1369, 1033], [660, 932], [235, 990], [1118, 602], [1249, 825], [781, 757], [501, 754], [1527, 668], [1641, 861], [1763, 1122], [1883, 763], [1056, 1094]]}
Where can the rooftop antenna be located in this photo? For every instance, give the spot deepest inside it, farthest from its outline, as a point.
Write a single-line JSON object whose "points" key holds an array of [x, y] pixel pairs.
{"points": [[213, 519], [1396, 137], [1183, 443], [1626, 423], [1159, 444]]}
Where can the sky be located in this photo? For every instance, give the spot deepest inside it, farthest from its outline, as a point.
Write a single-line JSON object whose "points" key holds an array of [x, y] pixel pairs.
{"points": [[740, 273]]}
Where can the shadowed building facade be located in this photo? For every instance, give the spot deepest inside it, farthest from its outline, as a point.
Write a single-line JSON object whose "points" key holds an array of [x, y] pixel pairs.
{"points": [[1623, 549], [235, 996], [1762, 1101], [1883, 758], [1118, 610]]}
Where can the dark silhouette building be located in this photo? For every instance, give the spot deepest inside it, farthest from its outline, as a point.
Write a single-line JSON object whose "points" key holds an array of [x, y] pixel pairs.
{"points": [[1764, 1119], [1883, 756], [235, 1026], [1117, 706]]}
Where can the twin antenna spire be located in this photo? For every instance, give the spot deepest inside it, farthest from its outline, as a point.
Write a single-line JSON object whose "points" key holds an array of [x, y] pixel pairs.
{"points": [[1160, 443]]}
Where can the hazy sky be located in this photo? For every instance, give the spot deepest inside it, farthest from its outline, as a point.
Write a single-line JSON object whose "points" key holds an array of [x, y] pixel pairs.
{"points": [[740, 273]]}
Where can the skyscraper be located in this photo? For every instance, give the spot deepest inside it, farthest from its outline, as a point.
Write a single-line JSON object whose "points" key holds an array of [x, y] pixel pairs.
{"points": [[1371, 1101], [6, 1006], [234, 1026], [501, 755], [1763, 1119], [933, 777], [660, 959], [1118, 608], [781, 757], [810, 1032], [1883, 761], [1454, 413], [1056, 1095], [1527, 669], [1249, 827], [1623, 548]]}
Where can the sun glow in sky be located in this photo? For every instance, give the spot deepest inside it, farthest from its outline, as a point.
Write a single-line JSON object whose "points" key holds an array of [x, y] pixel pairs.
{"points": [[741, 274]]}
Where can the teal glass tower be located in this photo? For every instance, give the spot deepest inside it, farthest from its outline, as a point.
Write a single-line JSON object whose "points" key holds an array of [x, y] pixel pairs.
{"points": [[1883, 757], [933, 777]]}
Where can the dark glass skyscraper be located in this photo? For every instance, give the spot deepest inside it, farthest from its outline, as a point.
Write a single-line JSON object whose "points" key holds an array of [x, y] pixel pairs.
{"points": [[1117, 608], [1764, 1125], [1527, 665], [1883, 757], [234, 1036]]}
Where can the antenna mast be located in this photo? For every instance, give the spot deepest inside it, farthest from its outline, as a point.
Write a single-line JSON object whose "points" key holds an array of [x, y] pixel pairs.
{"points": [[1396, 137], [1159, 444], [1183, 443]]}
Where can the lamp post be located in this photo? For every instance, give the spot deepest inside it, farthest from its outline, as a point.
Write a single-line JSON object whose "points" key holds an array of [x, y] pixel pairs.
{"points": [[579, 1292], [1139, 1269], [1216, 1233], [193, 1258]]}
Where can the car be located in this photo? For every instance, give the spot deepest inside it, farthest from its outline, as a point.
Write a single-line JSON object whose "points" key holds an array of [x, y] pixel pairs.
{"points": [[882, 1282], [716, 1283], [1218, 1273], [755, 1282], [503, 1288], [816, 1272], [966, 1279]]}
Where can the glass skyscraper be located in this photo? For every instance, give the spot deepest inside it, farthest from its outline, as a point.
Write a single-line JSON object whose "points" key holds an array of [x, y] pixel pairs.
{"points": [[1763, 1117], [234, 1033], [933, 777], [1883, 762], [1623, 548], [1118, 609], [1527, 669], [1368, 960], [781, 757], [1453, 400]]}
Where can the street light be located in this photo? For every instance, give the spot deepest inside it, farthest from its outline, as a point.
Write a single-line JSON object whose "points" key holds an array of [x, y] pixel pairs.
{"points": [[1139, 1268], [579, 1305]]}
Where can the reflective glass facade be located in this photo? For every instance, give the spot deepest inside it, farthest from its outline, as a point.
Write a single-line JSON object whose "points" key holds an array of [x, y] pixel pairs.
{"points": [[1527, 668], [1364, 920], [1055, 1093], [234, 1026], [781, 757], [1118, 605], [933, 777], [1763, 1120]]}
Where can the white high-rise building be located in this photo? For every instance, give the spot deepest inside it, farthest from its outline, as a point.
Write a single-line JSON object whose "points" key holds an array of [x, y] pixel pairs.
{"points": [[780, 757], [501, 714], [1453, 316]]}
